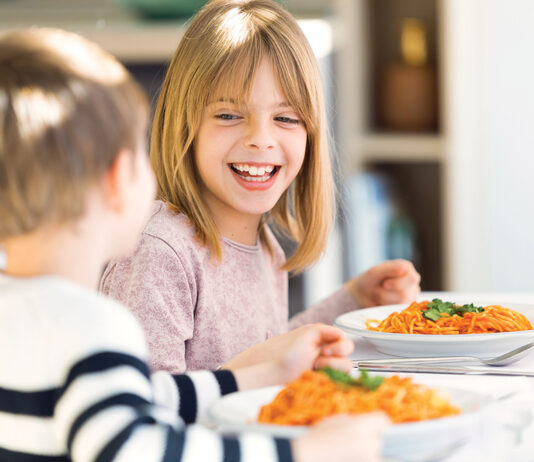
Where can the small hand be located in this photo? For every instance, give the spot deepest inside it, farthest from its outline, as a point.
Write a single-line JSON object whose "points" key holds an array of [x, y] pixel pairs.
{"points": [[343, 438], [388, 283], [284, 357]]}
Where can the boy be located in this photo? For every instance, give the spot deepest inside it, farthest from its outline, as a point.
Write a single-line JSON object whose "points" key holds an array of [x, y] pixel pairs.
{"points": [[75, 190]]}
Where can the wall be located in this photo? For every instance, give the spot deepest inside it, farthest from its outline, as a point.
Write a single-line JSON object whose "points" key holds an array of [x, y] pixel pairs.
{"points": [[490, 125]]}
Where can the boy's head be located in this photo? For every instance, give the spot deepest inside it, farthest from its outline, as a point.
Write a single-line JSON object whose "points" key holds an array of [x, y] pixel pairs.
{"points": [[67, 110], [217, 58]]}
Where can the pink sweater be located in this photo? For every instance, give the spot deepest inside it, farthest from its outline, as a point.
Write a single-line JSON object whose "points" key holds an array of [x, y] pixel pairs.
{"points": [[198, 313]]}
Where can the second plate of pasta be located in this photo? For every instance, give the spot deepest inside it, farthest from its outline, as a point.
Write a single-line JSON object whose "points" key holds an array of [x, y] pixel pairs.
{"points": [[414, 441], [385, 330]]}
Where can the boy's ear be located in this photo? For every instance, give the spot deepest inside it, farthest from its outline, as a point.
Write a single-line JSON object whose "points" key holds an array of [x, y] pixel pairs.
{"points": [[118, 179]]}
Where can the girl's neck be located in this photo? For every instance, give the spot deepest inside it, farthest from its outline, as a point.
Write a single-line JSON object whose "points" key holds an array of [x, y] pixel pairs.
{"points": [[239, 229]]}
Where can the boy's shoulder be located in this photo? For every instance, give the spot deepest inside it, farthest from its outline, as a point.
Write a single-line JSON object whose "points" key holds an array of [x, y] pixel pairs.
{"points": [[52, 304], [60, 322]]}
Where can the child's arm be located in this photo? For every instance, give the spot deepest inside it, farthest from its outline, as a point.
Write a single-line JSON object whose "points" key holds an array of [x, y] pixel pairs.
{"points": [[390, 282], [106, 411], [274, 362], [284, 357], [190, 395], [106, 407], [337, 439], [277, 361]]}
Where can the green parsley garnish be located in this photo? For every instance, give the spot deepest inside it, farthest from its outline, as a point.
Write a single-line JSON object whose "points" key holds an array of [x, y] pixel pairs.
{"points": [[345, 380], [436, 307]]}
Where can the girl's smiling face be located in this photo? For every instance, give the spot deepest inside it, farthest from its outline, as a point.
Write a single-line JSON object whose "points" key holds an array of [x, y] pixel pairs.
{"points": [[248, 155]]}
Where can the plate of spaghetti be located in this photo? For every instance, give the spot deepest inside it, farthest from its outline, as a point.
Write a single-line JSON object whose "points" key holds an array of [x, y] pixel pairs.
{"points": [[438, 328], [427, 422]]}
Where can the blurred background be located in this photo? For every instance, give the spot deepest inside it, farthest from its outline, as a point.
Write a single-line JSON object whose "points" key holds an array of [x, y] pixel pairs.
{"points": [[431, 108]]}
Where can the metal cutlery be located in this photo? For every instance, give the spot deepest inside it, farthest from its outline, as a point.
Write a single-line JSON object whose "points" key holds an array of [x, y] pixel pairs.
{"points": [[501, 360], [442, 370]]}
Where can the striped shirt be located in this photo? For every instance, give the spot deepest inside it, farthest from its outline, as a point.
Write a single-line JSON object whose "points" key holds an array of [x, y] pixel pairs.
{"points": [[74, 385]]}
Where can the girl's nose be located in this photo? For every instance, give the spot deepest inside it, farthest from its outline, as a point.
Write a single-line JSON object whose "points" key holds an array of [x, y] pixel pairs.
{"points": [[260, 137]]}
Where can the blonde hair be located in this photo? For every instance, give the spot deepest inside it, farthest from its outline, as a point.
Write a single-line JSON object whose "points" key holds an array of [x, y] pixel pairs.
{"points": [[218, 56], [67, 108]]}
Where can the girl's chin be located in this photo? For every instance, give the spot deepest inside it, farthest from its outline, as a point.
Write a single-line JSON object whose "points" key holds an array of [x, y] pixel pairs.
{"points": [[257, 211]]}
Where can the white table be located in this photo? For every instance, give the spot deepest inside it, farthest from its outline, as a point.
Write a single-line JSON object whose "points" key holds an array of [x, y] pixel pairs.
{"points": [[506, 431]]}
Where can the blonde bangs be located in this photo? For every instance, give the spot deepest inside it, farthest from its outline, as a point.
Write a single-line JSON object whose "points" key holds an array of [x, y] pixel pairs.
{"points": [[234, 76]]}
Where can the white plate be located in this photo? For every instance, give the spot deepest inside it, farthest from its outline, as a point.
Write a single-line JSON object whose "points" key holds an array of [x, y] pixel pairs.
{"points": [[418, 441], [410, 345]]}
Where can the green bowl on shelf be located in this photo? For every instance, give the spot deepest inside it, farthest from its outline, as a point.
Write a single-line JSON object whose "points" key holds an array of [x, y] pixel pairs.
{"points": [[163, 9]]}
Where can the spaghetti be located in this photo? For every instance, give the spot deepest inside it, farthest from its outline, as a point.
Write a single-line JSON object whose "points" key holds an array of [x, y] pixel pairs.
{"points": [[489, 319], [314, 396]]}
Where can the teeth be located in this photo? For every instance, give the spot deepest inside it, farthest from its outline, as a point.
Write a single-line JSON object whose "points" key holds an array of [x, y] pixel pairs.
{"points": [[254, 171], [258, 179]]}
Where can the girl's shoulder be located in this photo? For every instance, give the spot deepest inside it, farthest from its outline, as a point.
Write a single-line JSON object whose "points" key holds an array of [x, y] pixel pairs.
{"points": [[171, 227], [167, 241]]}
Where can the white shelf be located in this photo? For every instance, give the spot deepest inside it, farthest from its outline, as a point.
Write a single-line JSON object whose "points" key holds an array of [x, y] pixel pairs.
{"points": [[416, 164], [118, 31], [398, 147], [124, 34]]}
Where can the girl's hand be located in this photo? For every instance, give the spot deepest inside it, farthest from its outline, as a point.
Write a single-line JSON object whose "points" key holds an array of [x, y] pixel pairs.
{"points": [[343, 438], [284, 357], [388, 283]]}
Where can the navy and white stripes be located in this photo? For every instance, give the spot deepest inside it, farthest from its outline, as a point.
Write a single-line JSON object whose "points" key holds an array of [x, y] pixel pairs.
{"points": [[74, 385]]}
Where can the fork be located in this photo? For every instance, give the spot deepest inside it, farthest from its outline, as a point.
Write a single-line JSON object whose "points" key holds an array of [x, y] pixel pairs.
{"points": [[501, 360]]}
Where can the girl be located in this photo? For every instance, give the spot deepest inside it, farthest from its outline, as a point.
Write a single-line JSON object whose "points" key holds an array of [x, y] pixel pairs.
{"points": [[239, 139]]}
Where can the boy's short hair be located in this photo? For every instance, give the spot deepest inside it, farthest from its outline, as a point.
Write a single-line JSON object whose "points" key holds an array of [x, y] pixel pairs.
{"points": [[67, 108]]}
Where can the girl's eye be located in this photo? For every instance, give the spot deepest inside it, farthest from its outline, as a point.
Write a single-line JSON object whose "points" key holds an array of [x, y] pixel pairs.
{"points": [[226, 116], [287, 120]]}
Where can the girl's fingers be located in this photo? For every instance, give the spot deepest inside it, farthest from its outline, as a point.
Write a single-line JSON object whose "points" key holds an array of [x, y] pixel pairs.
{"points": [[326, 333], [342, 347], [388, 297], [401, 283], [391, 269], [335, 362]]}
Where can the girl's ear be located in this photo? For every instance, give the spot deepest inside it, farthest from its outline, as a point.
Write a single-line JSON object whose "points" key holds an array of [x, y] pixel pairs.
{"points": [[118, 180]]}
